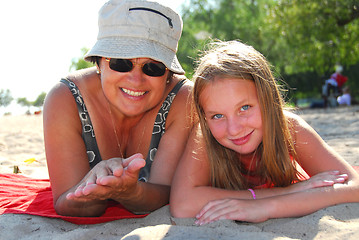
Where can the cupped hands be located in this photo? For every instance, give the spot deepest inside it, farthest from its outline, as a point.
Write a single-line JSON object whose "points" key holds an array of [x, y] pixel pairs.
{"points": [[114, 178]]}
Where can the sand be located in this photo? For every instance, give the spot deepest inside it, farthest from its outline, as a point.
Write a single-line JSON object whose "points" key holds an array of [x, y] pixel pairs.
{"points": [[21, 138]]}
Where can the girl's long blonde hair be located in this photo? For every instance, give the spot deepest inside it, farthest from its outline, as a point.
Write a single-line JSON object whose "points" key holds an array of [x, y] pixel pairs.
{"points": [[237, 60]]}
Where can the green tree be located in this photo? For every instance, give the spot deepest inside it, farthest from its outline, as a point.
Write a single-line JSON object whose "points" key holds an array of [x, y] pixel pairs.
{"points": [[80, 63], [224, 20], [39, 102], [316, 35], [302, 39], [5, 97], [25, 103]]}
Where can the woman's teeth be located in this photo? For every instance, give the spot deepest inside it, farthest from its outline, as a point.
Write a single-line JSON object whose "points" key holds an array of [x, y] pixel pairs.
{"points": [[132, 93]]}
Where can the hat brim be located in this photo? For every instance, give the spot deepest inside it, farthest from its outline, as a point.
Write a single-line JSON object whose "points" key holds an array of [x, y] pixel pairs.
{"points": [[135, 48]]}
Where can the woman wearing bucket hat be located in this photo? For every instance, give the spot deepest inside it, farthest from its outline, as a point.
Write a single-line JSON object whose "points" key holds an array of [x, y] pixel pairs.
{"points": [[117, 132]]}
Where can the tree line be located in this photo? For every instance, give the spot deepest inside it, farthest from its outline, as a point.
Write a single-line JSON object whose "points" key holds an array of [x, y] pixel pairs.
{"points": [[302, 39], [6, 99]]}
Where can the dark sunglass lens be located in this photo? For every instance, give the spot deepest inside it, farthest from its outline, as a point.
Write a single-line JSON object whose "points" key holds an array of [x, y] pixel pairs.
{"points": [[121, 65], [154, 69]]}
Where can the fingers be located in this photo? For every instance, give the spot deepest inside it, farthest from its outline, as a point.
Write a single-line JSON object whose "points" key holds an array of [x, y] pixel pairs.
{"points": [[211, 211], [127, 161], [209, 206], [225, 209], [328, 179], [115, 173], [89, 192], [122, 168], [133, 164], [234, 209]]}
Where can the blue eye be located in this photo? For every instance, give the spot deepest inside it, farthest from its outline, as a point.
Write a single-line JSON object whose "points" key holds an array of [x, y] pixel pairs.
{"points": [[245, 108], [217, 116]]}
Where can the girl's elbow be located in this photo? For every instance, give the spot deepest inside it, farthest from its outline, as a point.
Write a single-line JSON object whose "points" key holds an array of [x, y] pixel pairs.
{"points": [[180, 208], [178, 211]]}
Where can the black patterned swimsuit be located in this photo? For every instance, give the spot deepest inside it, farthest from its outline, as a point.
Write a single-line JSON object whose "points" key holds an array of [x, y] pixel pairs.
{"points": [[88, 134]]}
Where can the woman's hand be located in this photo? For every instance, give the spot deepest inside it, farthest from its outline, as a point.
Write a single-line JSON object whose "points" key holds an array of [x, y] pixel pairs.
{"points": [[115, 178], [324, 179]]}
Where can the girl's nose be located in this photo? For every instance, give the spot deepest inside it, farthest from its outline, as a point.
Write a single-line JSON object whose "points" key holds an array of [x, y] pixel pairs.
{"points": [[234, 126]]}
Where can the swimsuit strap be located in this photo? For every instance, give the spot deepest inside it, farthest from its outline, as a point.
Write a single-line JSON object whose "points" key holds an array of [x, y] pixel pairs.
{"points": [[88, 134], [159, 130]]}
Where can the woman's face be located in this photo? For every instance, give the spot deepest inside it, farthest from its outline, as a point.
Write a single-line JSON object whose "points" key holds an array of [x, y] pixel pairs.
{"points": [[233, 113], [132, 92]]}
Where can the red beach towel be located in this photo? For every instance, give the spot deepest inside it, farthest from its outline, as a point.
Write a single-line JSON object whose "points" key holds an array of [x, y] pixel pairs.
{"points": [[24, 195]]}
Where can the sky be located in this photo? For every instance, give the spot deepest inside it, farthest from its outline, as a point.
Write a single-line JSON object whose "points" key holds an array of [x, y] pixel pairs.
{"points": [[39, 39]]}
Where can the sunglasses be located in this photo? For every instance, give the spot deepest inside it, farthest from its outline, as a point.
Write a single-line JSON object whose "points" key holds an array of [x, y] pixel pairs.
{"points": [[150, 68]]}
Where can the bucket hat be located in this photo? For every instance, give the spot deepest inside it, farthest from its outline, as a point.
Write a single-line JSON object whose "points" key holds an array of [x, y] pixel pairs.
{"points": [[138, 28]]}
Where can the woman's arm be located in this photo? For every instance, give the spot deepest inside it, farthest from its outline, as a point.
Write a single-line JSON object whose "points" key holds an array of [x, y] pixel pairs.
{"points": [[66, 154]]}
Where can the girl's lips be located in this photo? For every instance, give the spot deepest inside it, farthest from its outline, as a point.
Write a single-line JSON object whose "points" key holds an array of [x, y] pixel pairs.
{"points": [[242, 140]]}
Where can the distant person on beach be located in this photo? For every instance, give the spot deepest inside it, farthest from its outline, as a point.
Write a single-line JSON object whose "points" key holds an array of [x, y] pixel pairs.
{"points": [[116, 131], [345, 99], [249, 159], [332, 87], [339, 78]]}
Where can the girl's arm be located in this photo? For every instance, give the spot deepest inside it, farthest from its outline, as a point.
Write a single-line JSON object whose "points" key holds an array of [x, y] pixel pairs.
{"points": [[191, 189], [316, 158]]}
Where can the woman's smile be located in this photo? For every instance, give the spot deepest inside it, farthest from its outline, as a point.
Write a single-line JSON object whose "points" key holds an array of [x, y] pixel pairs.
{"points": [[133, 93]]}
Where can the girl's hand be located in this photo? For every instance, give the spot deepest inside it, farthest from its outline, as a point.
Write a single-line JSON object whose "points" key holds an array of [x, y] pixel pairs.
{"points": [[258, 210], [233, 209], [324, 179], [109, 179]]}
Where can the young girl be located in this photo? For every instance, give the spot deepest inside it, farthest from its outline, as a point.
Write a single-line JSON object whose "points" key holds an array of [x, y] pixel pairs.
{"points": [[249, 159]]}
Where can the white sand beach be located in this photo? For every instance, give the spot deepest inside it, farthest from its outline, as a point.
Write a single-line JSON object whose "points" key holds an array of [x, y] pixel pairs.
{"points": [[21, 139]]}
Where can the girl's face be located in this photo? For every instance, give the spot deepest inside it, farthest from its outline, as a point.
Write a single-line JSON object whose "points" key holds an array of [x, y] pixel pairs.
{"points": [[233, 113], [132, 92]]}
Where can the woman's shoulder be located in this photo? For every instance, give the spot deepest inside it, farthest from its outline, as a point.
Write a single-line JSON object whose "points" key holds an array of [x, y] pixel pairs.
{"points": [[61, 96], [80, 78]]}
